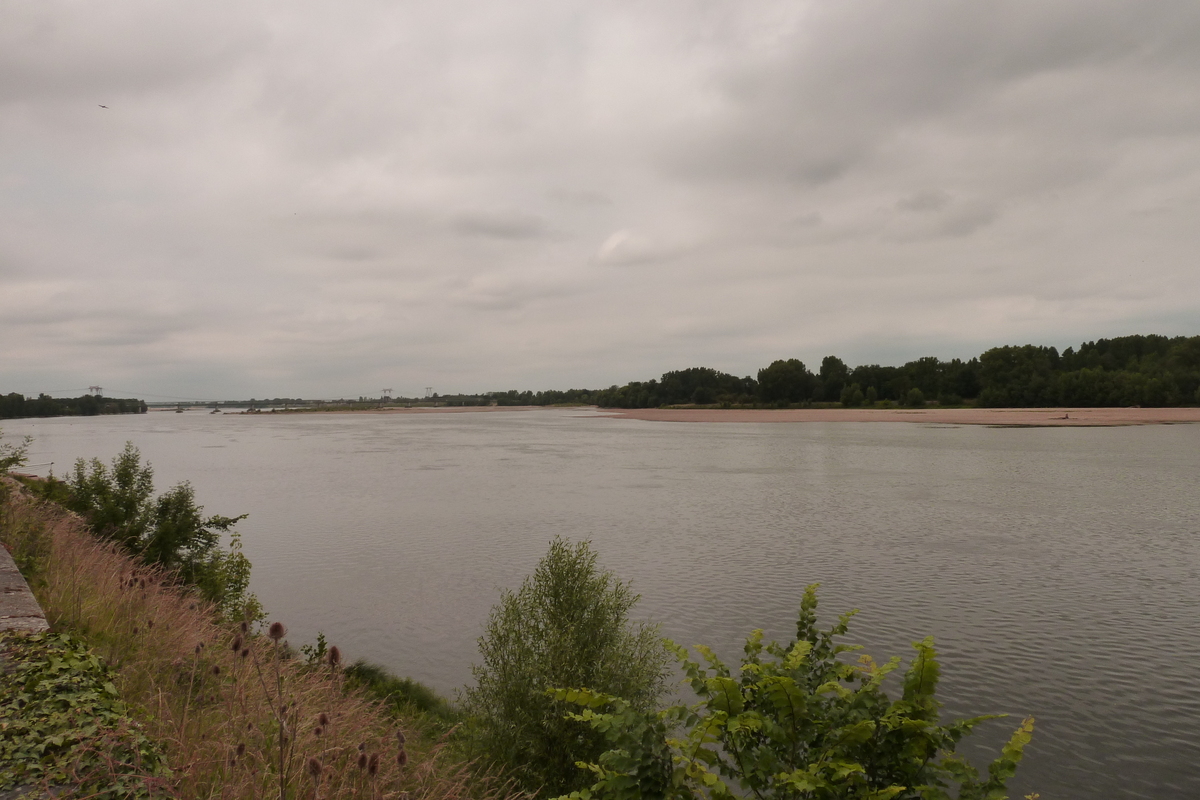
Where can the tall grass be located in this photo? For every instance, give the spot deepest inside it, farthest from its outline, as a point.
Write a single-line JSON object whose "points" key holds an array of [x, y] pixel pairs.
{"points": [[235, 715]]}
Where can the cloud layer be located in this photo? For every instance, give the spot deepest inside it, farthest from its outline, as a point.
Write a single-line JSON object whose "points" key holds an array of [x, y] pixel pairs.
{"points": [[313, 200]]}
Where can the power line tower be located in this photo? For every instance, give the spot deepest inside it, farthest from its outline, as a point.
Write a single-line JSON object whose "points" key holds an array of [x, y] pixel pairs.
{"points": [[428, 391], [387, 395], [96, 390]]}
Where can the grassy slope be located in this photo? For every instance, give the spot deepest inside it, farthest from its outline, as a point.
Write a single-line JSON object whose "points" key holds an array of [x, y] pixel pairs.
{"points": [[214, 697]]}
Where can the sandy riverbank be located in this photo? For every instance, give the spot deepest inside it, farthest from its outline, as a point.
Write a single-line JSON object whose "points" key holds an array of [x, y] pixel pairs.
{"points": [[1024, 417], [426, 410], [1021, 417]]}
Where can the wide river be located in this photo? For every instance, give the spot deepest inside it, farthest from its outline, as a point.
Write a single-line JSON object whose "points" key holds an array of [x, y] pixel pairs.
{"points": [[1056, 567]]}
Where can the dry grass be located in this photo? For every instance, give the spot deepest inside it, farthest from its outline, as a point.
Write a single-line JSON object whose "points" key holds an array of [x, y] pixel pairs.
{"points": [[235, 717]]}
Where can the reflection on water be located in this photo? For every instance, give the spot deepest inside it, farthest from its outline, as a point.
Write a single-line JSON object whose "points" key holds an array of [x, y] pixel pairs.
{"points": [[1056, 567]]}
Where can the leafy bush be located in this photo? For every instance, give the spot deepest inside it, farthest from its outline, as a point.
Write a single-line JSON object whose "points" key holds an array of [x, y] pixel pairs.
{"points": [[65, 725], [566, 626], [169, 531], [799, 723], [13, 455]]}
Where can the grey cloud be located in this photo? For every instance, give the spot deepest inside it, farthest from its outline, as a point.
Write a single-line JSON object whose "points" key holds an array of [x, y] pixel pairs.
{"points": [[353, 253], [580, 197], [291, 198], [512, 225], [114, 52], [924, 200], [628, 247]]}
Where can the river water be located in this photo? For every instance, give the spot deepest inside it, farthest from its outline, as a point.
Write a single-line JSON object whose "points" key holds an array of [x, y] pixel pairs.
{"points": [[1056, 567]]}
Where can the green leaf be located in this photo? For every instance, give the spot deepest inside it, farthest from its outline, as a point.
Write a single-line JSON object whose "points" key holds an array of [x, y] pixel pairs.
{"points": [[857, 733], [725, 695], [797, 655], [920, 683]]}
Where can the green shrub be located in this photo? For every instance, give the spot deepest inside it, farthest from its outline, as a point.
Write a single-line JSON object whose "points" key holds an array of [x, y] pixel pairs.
{"points": [[13, 455], [798, 724], [169, 531], [567, 626]]}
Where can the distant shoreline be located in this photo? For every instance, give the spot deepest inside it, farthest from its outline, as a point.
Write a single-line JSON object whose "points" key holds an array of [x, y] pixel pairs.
{"points": [[995, 417]]}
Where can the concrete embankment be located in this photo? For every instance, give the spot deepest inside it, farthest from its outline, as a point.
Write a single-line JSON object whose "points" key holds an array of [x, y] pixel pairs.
{"points": [[19, 610]]}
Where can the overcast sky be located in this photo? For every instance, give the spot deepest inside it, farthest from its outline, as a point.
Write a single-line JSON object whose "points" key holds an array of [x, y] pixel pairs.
{"points": [[323, 199]]}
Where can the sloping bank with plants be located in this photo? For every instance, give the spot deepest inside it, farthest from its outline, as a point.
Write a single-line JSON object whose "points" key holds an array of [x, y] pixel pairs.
{"points": [[568, 699], [154, 683]]}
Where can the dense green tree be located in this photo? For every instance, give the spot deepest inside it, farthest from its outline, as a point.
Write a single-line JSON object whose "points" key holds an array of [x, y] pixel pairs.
{"points": [[568, 625], [834, 376], [786, 382], [1019, 376], [852, 395]]}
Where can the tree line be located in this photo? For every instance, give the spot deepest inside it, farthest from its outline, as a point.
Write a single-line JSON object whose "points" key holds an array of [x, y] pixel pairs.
{"points": [[15, 405], [1125, 371]]}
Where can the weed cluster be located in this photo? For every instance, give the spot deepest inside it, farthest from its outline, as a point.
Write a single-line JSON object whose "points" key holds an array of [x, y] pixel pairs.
{"points": [[63, 723]]}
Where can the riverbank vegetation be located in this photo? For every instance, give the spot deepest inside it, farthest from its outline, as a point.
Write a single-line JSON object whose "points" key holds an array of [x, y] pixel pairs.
{"points": [[568, 625], [168, 531], [64, 723], [794, 721], [235, 712]]}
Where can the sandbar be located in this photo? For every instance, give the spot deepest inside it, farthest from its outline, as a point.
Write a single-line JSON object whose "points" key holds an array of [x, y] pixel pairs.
{"points": [[1000, 417]]}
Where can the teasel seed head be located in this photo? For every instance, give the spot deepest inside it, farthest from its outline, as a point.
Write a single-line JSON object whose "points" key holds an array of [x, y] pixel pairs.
{"points": [[335, 656], [323, 719], [373, 765], [135, 630], [400, 737], [317, 731], [314, 767], [277, 631], [237, 643], [216, 669], [241, 749], [402, 758], [199, 647], [245, 652], [149, 624], [245, 626], [362, 760]]}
